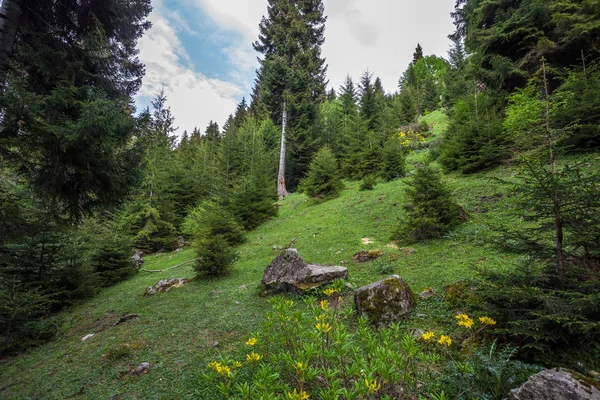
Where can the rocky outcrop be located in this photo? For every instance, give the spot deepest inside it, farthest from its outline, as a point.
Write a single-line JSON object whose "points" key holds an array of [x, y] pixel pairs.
{"points": [[555, 384], [288, 272], [386, 301], [164, 285]]}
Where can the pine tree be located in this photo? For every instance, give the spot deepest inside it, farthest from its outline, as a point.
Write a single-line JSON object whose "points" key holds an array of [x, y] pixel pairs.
{"points": [[348, 97], [212, 132], [323, 179], [418, 54], [68, 105], [291, 79], [430, 209], [393, 161], [368, 102]]}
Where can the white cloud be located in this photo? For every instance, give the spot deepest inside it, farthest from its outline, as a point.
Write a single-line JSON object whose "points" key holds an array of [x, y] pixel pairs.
{"points": [[380, 35], [194, 99]]}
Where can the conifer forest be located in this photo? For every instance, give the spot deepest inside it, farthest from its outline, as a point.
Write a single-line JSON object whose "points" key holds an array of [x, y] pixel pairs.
{"points": [[450, 219]]}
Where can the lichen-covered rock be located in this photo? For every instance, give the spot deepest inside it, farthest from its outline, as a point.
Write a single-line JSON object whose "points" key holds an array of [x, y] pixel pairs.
{"points": [[386, 301], [164, 285], [555, 384], [288, 272]]}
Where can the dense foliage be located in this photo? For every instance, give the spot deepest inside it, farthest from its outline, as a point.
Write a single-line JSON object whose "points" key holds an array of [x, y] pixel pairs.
{"points": [[430, 209]]}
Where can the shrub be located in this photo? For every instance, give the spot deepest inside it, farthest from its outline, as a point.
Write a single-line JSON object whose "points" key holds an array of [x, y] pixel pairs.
{"points": [[216, 233], [323, 179], [253, 199], [368, 183], [394, 162], [430, 209], [111, 260], [475, 139]]}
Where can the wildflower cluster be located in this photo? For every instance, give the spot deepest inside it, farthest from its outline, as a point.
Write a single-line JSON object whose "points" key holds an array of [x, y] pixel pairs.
{"points": [[320, 353], [298, 395], [409, 137], [445, 340], [464, 320], [372, 386], [487, 321], [222, 370], [253, 358]]}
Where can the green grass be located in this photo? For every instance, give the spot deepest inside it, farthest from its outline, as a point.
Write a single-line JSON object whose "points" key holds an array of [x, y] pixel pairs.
{"points": [[179, 332]]}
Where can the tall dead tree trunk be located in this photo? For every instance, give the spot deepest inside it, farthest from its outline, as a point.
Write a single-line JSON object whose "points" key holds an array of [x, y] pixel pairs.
{"points": [[10, 12], [281, 190]]}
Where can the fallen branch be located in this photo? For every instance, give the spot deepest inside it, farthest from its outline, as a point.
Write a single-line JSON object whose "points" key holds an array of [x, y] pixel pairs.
{"points": [[164, 270]]}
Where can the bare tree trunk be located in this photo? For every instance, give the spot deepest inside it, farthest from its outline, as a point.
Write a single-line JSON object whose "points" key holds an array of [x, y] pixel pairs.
{"points": [[281, 190], [10, 11]]}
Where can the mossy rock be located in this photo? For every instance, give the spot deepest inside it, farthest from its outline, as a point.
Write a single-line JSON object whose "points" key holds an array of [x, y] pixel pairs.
{"points": [[386, 301], [370, 255]]}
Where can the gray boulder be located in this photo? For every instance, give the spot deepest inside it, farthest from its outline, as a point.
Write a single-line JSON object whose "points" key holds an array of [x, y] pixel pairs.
{"points": [[386, 301], [288, 272], [555, 384]]}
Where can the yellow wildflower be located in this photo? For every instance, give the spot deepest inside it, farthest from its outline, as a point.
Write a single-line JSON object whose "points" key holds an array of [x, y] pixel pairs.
{"points": [[224, 371], [445, 340], [372, 386], [323, 327], [252, 341], [464, 320], [295, 395], [329, 291], [321, 317], [253, 357], [427, 336], [325, 305], [214, 365], [402, 134], [237, 364], [487, 321], [300, 366]]}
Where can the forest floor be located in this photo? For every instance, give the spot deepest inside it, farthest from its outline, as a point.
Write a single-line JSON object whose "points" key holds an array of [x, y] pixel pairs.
{"points": [[180, 331]]}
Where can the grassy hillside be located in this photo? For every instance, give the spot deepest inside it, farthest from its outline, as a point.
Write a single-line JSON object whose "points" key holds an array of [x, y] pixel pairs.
{"points": [[179, 332]]}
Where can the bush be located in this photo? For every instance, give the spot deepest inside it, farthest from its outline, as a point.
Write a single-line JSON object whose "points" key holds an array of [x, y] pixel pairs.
{"points": [[368, 183], [216, 233], [430, 210], [475, 139], [323, 179], [151, 232], [253, 200], [111, 259], [394, 162]]}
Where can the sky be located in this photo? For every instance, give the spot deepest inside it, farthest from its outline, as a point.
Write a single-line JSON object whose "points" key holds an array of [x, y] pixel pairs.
{"points": [[200, 51]]}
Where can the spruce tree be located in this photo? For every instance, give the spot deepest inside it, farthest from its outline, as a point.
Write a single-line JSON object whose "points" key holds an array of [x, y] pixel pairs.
{"points": [[393, 160], [323, 179], [291, 79], [68, 103], [430, 209], [418, 54], [368, 101]]}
